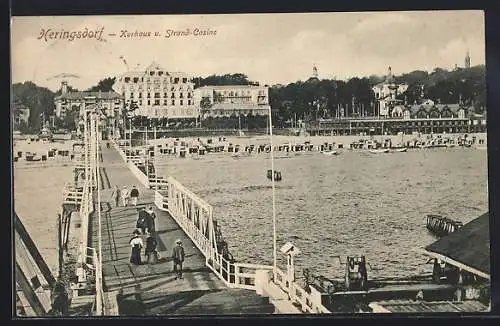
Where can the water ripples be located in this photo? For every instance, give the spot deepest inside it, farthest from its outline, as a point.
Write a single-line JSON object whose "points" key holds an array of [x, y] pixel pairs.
{"points": [[354, 203]]}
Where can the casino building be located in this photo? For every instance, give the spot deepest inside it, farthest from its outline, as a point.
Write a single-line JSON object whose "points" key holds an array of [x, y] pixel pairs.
{"points": [[232, 106]]}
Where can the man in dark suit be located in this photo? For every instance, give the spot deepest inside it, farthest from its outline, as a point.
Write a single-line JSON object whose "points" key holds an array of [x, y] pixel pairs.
{"points": [[178, 258]]}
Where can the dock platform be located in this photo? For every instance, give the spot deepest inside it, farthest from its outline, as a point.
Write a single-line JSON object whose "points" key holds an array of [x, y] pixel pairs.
{"points": [[151, 289]]}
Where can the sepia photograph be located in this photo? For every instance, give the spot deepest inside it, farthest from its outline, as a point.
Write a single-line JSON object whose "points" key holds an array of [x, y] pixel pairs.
{"points": [[240, 164]]}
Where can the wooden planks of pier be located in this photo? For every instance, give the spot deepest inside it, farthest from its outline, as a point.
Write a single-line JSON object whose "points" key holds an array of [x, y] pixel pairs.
{"points": [[152, 289]]}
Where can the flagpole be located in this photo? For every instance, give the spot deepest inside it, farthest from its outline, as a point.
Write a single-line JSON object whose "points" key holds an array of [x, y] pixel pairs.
{"points": [[274, 196]]}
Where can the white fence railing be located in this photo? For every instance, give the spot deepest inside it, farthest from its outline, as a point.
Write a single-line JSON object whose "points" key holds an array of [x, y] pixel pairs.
{"points": [[195, 217]]}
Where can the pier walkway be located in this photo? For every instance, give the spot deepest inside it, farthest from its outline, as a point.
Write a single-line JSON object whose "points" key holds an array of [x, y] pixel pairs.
{"points": [[151, 289]]}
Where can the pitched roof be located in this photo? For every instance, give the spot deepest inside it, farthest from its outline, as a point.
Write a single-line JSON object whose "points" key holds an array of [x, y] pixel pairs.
{"points": [[454, 108], [468, 248], [81, 95]]}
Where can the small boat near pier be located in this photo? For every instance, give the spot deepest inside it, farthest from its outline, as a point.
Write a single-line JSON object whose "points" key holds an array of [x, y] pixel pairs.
{"points": [[442, 226]]}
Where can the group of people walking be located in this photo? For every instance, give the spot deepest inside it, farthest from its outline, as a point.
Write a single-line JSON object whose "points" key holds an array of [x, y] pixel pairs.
{"points": [[145, 226], [125, 196]]}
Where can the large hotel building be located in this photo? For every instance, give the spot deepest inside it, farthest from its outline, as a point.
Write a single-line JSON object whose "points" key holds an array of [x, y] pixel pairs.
{"points": [[158, 93]]}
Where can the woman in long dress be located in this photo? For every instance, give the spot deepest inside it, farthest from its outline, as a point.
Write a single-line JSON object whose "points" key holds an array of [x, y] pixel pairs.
{"points": [[136, 244]]}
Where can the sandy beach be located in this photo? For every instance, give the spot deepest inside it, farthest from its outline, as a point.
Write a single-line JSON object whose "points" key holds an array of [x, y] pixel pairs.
{"points": [[38, 190], [315, 140]]}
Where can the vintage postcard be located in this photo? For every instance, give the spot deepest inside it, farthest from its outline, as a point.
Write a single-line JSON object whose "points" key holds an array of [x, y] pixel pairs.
{"points": [[306, 163]]}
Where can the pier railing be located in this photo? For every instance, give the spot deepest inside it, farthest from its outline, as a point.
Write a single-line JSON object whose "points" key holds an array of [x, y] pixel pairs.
{"points": [[195, 217]]}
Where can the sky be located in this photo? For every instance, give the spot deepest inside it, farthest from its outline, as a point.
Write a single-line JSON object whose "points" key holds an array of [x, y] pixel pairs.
{"points": [[268, 48]]}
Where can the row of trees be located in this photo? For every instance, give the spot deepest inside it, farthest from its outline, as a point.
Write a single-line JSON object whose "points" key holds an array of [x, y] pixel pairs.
{"points": [[467, 86], [326, 98]]}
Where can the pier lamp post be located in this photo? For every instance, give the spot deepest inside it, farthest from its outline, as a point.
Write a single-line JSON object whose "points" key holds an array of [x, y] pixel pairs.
{"points": [[273, 189]]}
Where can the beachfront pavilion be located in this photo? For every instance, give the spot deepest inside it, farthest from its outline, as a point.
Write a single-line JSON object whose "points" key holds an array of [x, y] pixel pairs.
{"points": [[423, 118], [461, 258]]}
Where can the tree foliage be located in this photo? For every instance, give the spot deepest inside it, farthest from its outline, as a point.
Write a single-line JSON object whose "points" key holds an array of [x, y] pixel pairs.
{"points": [[39, 100], [328, 98], [322, 98], [467, 86], [104, 85], [226, 79]]}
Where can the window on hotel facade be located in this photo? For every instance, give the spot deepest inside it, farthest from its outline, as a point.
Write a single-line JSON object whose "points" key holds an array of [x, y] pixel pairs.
{"points": [[184, 80], [173, 102], [149, 95], [157, 102], [140, 102], [181, 102], [173, 95], [149, 102], [165, 94], [151, 73], [136, 80], [189, 102], [140, 95], [189, 95], [160, 73], [127, 79], [157, 95], [165, 102], [172, 88], [181, 95], [176, 80]]}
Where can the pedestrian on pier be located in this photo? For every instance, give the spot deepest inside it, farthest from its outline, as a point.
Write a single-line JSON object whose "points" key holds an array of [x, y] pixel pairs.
{"points": [[150, 250], [116, 195], [60, 299], [134, 195], [151, 221], [125, 196], [178, 258], [136, 244], [142, 220]]}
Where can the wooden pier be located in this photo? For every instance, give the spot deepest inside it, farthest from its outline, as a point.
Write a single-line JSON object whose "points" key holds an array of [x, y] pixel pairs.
{"points": [[152, 289]]}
